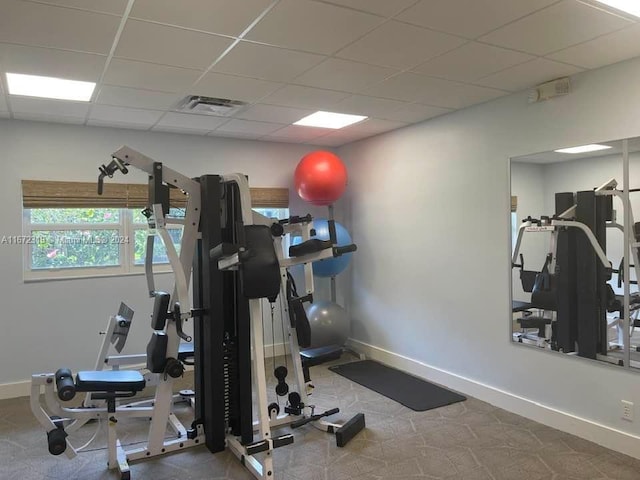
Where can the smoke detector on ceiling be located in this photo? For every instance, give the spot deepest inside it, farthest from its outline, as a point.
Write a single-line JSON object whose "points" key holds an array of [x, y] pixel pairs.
{"points": [[220, 107], [548, 90]]}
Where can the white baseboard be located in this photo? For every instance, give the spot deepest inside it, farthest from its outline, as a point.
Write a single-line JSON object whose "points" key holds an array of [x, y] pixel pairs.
{"points": [[16, 389], [274, 350], [23, 388], [608, 437]]}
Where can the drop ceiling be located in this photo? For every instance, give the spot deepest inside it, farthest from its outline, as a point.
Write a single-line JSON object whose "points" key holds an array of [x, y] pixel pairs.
{"points": [[396, 61]]}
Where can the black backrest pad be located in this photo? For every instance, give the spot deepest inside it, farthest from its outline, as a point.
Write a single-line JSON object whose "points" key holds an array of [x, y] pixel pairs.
{"points": [[160, 309], [157, 352], [259, 270]]}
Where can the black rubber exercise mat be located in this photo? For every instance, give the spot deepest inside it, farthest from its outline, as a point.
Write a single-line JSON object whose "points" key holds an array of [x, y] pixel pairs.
{"points": [[410, 391]]}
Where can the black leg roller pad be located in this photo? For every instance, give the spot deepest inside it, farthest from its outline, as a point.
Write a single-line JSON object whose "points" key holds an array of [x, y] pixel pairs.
{"points": [[349, 430]]}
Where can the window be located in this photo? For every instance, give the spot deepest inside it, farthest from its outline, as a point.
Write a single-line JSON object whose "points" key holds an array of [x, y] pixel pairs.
{"points": [[278, 213], [79, 242], [69, 242], [70, 231]]}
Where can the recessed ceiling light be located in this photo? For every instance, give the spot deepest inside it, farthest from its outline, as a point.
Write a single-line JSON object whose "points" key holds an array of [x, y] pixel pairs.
{"points": [[329, 120], [584, 148], [627, 6], [49, 87]]}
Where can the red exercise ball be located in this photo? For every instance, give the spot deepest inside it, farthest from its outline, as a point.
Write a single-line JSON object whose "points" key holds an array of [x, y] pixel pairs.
{"points": [[320, 178]]}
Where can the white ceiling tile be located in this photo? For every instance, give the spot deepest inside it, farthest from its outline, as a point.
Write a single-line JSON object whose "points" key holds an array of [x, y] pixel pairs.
{"points": [[607, 49], [414, 112], [135, 98], [169, 45], [369, 106], [3, 103], [117, 124], [442, 93], [373, 126], [344, 75], [268, 138], [52, 63], [528, 75], [469, 18], [338, 138], [53, 108], [273, 113], [239, 135], [43, 117], [399, 45], [245, 89], [312, 26], [385, 8], [298, 133], [187, 131], [204, 123], [406, 87], [114, 7], [228, 17], [432, 91], [249, 127], [472, 61], [163, 78], [50, 26], [106, 115], [305, 97], [269, 63], [554, 28]]}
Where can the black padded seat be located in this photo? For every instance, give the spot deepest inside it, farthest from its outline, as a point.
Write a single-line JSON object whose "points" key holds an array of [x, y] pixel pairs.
{"points": [[518, 306], [533, 321], [317, 356], [320, 355], [185, 351], [110, 381]]}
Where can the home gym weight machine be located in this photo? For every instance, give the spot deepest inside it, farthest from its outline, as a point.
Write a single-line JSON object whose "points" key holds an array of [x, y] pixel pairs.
{"points": [[235, 266], [571, 292]]}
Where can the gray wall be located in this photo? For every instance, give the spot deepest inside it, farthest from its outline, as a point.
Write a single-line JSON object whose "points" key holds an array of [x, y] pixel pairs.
{"points": [[51, 324], [429, 209]]}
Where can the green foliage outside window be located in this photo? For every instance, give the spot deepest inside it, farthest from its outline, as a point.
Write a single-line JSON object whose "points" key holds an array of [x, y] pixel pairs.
{"points": [[75, 248], [159, 252], [74, 215]]}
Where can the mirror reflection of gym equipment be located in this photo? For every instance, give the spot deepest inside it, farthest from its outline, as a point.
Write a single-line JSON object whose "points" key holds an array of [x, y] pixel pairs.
{"points": [[575, 251]]}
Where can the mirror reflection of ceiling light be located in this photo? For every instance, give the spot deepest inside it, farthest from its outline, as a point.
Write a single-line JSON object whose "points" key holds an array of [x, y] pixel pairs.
{"points": [[628, 6], [49, 87], [594, 147]]}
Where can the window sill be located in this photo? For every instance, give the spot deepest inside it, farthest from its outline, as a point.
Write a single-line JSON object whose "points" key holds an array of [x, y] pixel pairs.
{"points": [[88, 276]]}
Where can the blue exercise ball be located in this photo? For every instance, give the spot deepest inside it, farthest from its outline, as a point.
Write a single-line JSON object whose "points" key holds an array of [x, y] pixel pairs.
{"points": [[329, 267]]}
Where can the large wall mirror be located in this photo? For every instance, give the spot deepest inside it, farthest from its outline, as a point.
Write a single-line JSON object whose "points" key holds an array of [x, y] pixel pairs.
{"points": [[574, 251]]}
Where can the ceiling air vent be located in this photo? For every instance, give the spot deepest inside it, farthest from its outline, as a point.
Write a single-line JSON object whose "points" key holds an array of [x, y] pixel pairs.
{"points": [[220, 107]]}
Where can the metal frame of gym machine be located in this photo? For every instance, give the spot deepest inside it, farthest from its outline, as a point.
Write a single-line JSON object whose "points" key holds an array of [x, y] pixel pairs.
{"points": [[228, 331], [582, 261], [59, 420]]}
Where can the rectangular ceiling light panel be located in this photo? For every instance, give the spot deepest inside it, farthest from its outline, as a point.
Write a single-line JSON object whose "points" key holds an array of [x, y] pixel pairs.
{"points": [[628, 6], [583, 148], [329, 120], [49, 87]]}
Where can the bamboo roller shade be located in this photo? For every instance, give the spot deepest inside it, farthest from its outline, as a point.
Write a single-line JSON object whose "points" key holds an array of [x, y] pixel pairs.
{"points": [[50, 194]]}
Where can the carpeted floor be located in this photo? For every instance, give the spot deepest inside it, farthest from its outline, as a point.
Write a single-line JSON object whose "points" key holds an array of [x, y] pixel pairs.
{"points": [[470, 440]]}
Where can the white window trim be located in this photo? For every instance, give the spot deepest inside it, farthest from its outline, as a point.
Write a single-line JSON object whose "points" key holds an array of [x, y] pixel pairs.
{"points": [[126, 229]]}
